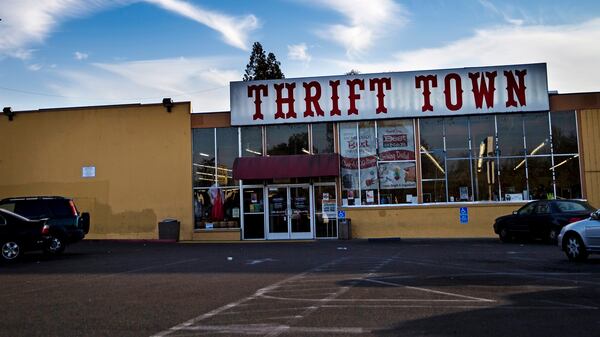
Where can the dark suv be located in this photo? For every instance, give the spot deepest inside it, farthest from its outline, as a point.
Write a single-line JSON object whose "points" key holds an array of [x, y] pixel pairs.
{"points": [[67, 224]]}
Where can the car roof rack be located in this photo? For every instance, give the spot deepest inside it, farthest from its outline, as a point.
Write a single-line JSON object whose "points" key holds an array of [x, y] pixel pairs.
{"points": [[40, 197]]}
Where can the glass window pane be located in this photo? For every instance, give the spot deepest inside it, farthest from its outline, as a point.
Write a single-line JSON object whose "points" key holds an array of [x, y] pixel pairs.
{"points": [[564, 132], [227, 151], [395, 139], [457, 137], [434, 191], [432, 165], [201, 208], [510, 135], [431, 134], [398, 182], [540, 177], [254, 221], [322, 137], [252, 141], [513, 181], [483, 136], [566, 172], [459, 180], [203, 147], [287, 139], [368, 163], [349, 162], [537, 133], [325, 211], [485, 179]]}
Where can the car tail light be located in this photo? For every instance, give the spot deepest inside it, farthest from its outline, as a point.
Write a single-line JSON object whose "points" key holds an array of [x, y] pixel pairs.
{"points": [[72, 204], [571, 220], [45, 230]]}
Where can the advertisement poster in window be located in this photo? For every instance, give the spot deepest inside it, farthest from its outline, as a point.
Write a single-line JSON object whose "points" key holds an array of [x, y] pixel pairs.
{"points": [[397, 175], [349, 161], [396, 141]]}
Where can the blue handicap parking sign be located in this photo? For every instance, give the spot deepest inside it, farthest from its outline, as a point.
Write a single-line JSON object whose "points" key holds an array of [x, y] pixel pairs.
{"points": [[464, 215], [341, 214]]}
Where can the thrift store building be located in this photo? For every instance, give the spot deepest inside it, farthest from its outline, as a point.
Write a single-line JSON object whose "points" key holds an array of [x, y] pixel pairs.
{"points": [[437, 153]]}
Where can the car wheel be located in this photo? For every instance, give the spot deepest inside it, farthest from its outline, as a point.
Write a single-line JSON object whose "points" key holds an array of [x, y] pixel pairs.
{"points": [[11, 250], [504, 235], [574, 248], [55, 246]]}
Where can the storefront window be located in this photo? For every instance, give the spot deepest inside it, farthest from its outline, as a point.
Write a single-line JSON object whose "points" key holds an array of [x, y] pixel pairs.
{"points": [[510, 135], [457, 137], [203, 148], [349, 163], [459, 180], [251, 141], [287, 139], [227, 151], [566, 172], [322, 138], [217, 207], [564, 132], [368, 163], [513, 181], [397, 166], [540, 177], [537, 134]]}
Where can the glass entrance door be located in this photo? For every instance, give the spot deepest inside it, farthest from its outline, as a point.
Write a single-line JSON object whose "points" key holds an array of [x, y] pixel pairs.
{"points": [[290, 212]]}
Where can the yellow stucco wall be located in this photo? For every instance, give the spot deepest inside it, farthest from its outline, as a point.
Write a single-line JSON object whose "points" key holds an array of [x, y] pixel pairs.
{"points": [[142, 156], [430, 221], [590, 148]]}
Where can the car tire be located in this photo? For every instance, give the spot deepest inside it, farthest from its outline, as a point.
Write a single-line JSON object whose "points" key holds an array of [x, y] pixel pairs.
{"points": [[574, 248], [504, 235], [10, 250], [56, 245]]}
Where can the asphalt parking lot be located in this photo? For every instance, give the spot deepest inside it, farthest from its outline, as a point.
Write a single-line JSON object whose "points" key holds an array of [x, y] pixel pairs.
{"points": [[324, 288]]}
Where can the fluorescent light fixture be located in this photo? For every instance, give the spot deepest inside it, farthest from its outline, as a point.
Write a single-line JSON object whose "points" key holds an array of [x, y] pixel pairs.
{"points": [[212, 175], [563, 162], [539, 147], [212, 167], [255, 152], [435, 162], [305, 151], [203, 154], [480, 160]]}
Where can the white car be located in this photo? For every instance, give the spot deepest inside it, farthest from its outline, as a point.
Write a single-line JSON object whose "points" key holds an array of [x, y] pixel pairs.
{"points": [[581, 238]]}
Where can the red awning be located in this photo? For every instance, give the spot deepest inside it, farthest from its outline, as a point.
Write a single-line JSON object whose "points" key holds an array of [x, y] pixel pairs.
{"points": [[296, 166]]}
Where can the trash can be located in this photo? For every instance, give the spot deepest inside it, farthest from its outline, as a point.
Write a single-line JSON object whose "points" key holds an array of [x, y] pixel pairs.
{"points": [[344, 229], [168, 229]]}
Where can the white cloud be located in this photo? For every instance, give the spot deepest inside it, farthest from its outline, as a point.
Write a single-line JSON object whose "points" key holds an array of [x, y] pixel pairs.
{"points": [[30, 22], [79, 56], [568, 50], [204, 81], [34, 67], [299, 52], [235, 31], [490, 6], [367, 22]]}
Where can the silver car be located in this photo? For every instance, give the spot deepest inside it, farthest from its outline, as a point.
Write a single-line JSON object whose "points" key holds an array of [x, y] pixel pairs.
{"points": [[581, 238]]}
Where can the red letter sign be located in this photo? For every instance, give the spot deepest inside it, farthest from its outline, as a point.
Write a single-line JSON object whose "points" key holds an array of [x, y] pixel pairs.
{"points": [[426, 81], [255, 90], [312, 100], [381, 84], [289, 100], [353, 96], [482, 90], [458, 91], [512, 88]]}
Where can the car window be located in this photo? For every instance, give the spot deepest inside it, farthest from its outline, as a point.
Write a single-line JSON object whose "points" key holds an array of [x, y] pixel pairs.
{"points": [[9, 206], [33, 209], [542, 208], [527, 209], [571, 206], [60, 208], [2, 221]]}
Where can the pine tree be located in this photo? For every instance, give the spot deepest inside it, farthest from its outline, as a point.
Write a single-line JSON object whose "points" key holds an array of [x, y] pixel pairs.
{"points": [[262, 67]]}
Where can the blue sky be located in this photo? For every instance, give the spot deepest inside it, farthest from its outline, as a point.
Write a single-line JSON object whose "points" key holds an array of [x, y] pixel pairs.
{"points": [[58, 53]]}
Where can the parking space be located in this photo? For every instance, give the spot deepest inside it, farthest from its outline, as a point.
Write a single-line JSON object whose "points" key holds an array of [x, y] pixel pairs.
{"points": [[334, 288]]}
